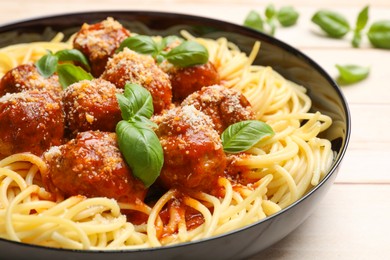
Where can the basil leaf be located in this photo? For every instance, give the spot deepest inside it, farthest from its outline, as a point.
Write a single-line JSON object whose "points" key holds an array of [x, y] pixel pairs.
{"points": [[332, 23], [352, 73], [69, 74], [141, 149], [168, 40], [253, 20], [287, 16], [188, 53], [270, 11], [362, 19], [73, 55], [379, 34], [137, 141], [141, 119], [124, 106], [241, 136], [140, 43], [47, 64], [361, 22], [139, 100]]}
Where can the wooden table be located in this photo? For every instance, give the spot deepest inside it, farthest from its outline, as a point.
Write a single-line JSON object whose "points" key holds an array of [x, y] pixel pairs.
{"points": [[353, 220]]}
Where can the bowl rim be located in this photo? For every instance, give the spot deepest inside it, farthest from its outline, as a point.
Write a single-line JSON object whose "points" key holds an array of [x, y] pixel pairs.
{"points": [[233, 27]]}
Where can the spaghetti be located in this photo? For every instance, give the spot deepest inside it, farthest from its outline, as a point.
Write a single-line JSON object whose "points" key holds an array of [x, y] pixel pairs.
{"points": [[22, 53], [283, 168]]}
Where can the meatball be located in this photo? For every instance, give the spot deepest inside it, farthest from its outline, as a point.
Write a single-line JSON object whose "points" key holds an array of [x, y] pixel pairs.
{"points": [[224, 106], [92, 165], [99, 41], [190, 79], [91, 105], [26, 77], [193, 153], [30, 121], [129, 66]]}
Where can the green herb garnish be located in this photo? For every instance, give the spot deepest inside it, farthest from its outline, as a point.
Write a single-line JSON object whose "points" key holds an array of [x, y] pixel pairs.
{"points": [[137, 141], [349, 74], [332, 23], [73, 55], [47, 64], [337, 26], [188, 53], [241, 136], [253, 20], [62, 62], [361, 23], [379, 34], [142, 44], [69, 74], [136, 101], [286, 16]]}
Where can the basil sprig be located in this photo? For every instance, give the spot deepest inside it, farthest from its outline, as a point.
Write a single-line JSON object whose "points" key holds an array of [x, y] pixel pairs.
{"points": [[137, 141], [62, 63], [241, 136], [286, 16], [349, 74], [361, 23], [69, 74], [336, 25], [187, 53], [136, 101]]}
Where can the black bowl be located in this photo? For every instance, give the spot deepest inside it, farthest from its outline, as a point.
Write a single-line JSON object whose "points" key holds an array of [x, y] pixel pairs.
{"points": [[289, 62]]}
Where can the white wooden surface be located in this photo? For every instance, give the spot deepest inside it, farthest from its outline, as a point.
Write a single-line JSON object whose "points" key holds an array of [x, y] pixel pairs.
{"points": [[353, 221]]}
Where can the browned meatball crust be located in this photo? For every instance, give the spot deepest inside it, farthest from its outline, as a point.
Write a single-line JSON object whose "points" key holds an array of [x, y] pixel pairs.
{"points": [[193, 153], [91, 105], [129, 66], [30, 121], [92, 165], [26, 77], [99, 41], [187, 80], [224, 106]]}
